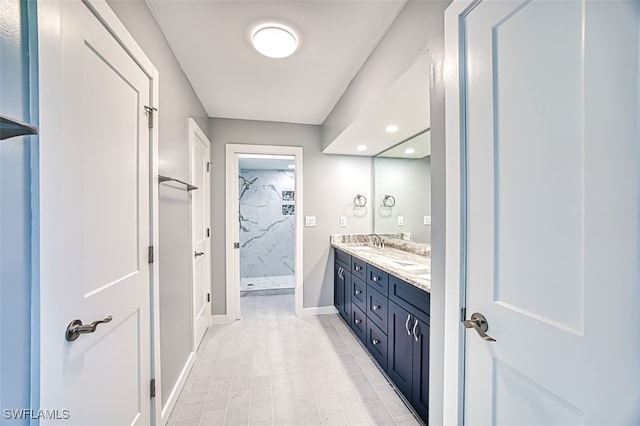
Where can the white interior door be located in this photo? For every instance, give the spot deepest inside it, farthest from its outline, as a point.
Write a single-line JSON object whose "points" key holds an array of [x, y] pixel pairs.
{"points": [[94, 222], [552, 212], [201, 229]]}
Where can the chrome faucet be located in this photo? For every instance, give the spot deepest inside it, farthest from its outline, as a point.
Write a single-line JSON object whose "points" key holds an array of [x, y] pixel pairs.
{"points": [[376, 240]]}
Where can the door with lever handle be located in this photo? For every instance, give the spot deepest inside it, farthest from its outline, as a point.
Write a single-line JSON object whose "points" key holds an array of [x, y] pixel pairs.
{"points": [[76, 328]]}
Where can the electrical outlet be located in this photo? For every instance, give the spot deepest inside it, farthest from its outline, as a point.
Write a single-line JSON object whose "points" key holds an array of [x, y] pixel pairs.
{"points": [[310, 221], [343, 221], [427, 220], [400, 220]]}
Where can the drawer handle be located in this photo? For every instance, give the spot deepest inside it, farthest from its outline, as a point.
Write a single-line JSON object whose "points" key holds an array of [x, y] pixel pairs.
{"points": [[358, 268], [414, 330], [375, 342], [375, 279], [376, 307], [358, 321], [406, 325], [358, 291]]}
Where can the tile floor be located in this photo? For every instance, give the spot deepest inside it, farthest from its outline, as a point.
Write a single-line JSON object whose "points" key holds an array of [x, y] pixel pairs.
{"points": [[267, 283], [273, 368]]}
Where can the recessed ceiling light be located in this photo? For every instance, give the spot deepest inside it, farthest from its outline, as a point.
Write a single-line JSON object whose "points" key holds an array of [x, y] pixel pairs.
{"points": [[274, 40], [361, 148], [292, 166], [409, 151], [392, 128]]}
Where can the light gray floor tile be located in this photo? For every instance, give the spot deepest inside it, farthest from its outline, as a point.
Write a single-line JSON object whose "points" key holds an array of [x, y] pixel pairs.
{"points": [[273, 368]]}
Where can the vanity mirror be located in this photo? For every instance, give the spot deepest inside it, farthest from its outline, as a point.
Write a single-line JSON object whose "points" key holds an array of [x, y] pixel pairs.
{"points": [[402, 189]]}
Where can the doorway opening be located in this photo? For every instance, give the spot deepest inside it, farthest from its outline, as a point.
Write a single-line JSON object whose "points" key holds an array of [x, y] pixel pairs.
{"points": [[266, 220], [264, 224]]}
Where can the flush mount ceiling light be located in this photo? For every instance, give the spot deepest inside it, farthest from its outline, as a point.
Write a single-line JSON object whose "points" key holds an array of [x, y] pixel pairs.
{"points": [[392, 128], [361, 148], [274, 40], [409, 151]]}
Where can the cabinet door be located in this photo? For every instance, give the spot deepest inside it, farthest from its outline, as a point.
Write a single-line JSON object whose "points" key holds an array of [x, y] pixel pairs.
{"points": [[400, 349], [342, 291], [420, 397]]}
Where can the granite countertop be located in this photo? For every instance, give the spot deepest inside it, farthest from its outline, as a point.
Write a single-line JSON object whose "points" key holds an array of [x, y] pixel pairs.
{"points": [[410, 262]]}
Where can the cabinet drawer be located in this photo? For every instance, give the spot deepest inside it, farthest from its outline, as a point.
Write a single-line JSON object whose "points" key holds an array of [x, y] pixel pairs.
{"points": [[359, 268], [359, 323], [378, 279], [377, 344], [359, 293], [343, 258], [377, 309], [410, 297]]}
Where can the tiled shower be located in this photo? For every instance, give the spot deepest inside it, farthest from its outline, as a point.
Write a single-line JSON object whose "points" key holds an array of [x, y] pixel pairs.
{"points": [[267, 230]]}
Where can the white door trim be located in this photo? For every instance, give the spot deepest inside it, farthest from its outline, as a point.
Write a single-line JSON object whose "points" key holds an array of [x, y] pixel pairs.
{"points": [[455, 227], [49, 37], [233, 230]]}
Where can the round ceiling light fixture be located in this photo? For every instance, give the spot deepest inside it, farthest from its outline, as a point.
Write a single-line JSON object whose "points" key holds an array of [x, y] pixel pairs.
{"points": [[274, 40], [361, 148], [392, 128], [409, 151]]}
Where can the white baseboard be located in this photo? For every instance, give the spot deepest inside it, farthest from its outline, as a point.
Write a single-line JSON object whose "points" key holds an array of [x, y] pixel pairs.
{"points": [[320, 310], [220, 319], [175, 392]]}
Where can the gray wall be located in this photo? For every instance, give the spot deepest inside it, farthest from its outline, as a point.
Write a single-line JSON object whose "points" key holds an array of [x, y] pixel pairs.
{"points": [[330, 184], [15, 210], [408, 181], [177, 103], [418, 27]]}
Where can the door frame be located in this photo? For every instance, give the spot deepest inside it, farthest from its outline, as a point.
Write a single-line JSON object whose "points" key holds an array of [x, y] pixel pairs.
{"points": [[456, 208], [232, 219], [195, 130], [50, 92]]}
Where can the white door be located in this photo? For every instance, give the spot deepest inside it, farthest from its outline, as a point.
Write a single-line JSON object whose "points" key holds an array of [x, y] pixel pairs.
{"points": [[94, 223], [201, 229], [552, 212]]}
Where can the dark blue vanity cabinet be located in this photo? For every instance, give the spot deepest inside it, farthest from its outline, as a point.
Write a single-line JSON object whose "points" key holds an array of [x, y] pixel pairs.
{"points": [[408, 343], [342, 285], [391, 318]]}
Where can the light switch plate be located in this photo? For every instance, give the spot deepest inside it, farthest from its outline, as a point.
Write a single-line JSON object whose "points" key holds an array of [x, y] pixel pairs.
{"points": [[427, 220], [310, 221], [400, 220], [343, 221]]}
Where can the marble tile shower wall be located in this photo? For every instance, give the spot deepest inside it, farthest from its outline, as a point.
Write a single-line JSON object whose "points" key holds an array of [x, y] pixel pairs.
{"points": [[267, 223]]}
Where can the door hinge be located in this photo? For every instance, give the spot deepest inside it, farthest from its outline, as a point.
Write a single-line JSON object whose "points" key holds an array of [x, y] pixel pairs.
{"points": [[150, 112], [209, 166], [152, 388], [150, 254], [208, 297], [208, 232], [236, 245], [463, 314]]}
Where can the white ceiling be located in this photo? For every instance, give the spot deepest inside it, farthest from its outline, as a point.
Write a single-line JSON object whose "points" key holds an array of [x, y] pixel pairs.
{"points": [[211, 40], [405, 104]]}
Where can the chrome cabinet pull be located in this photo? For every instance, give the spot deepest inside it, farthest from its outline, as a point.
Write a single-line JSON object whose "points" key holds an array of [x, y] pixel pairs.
{"points": [[358, 291], [479, 323], [406, 325], [340, 273], [198, 253], [358, 268], [375, 342], [415, 326], [375, 279], [75, 328], [357, 321], [375, 307]]}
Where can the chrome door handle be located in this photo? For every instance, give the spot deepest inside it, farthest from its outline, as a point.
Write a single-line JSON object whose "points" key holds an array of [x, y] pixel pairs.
{"points": [[198, 253], [406, 325], [75, 328], [479, 323], [415, 326]]}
